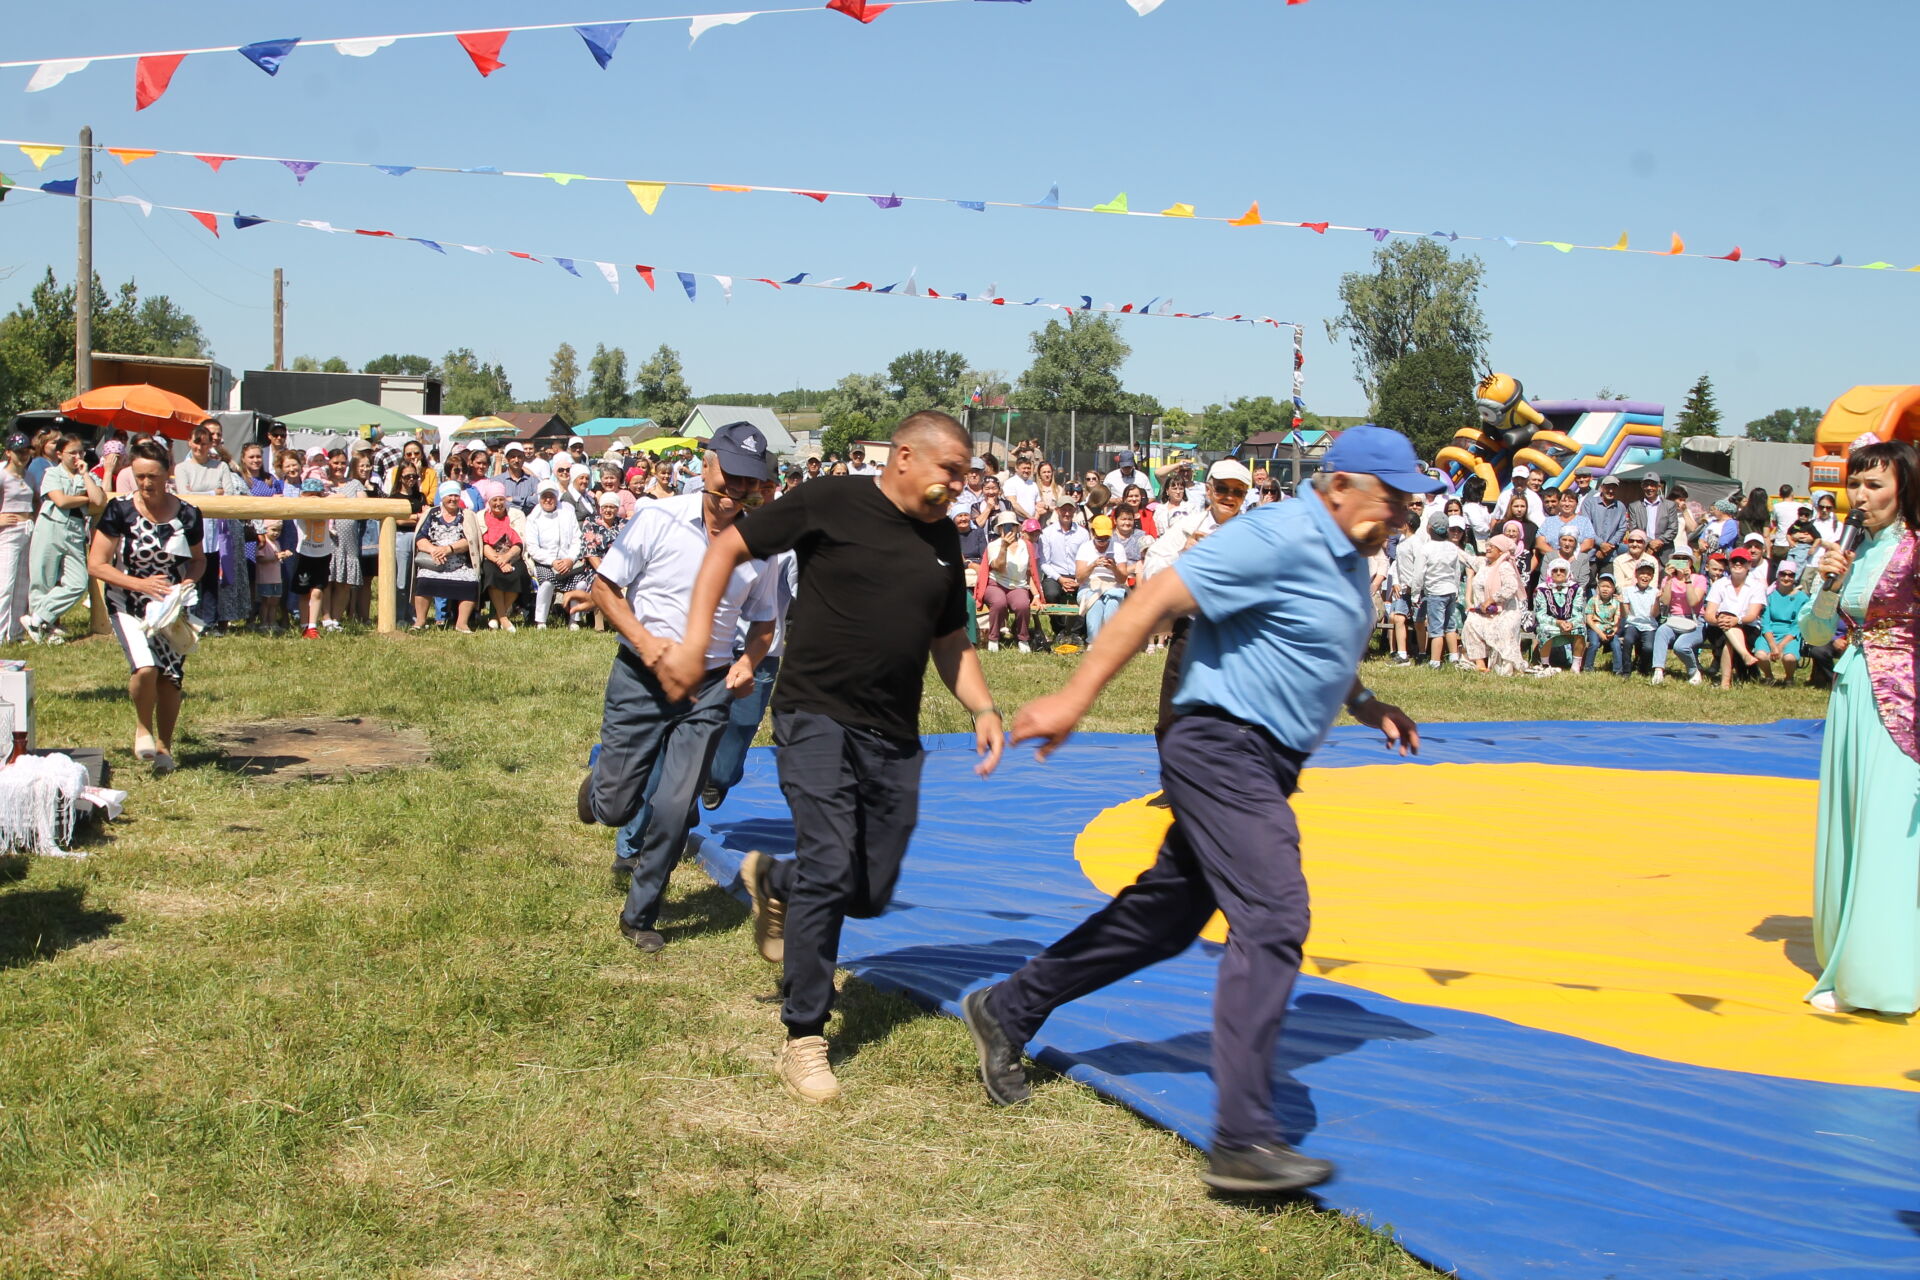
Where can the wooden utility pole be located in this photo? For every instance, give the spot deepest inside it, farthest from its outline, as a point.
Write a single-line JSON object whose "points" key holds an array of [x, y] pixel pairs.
{"points": [[279, 320], [83, 285]]}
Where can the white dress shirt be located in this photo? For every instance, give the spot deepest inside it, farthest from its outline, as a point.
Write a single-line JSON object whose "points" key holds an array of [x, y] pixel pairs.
{"points": [[655, 559]]}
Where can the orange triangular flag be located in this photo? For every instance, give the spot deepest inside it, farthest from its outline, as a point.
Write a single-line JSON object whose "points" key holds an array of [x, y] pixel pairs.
{"points": [[1251, 218], [1679, 245], [127, 155]]}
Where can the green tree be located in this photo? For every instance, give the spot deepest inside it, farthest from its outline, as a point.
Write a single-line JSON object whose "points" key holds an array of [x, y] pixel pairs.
{"points": [[922, 379], [660, 389], [36, 338], [1786, 426], [1427, 396], [1076, 366], [607, 393], [1175, 422], [304, 364], [400, 366], [1225, 428], [839, 437], [1699, 416], [471, 388], [858, 396], [1417, 296], [563, 383]]}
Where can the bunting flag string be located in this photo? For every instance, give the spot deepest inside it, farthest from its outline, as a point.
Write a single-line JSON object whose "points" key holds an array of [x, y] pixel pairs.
{"points": [[649, 192], [153, 71], [1157, 308]]}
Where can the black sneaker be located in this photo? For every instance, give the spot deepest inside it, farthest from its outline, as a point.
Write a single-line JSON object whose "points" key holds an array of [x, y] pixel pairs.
{"points": [[1000, 1070], [712, 797], [646, 941], [583, 802], [1264, 1170], [1402, 660]]}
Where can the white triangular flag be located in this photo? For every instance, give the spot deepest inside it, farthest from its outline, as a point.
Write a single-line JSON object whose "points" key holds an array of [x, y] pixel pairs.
{"points": [[912, 289], [612, 274], [318, 226], [708, 21], [1144, 7], [480, 249], [363, 48], [726, 286], [50, 74], [146, 206]]}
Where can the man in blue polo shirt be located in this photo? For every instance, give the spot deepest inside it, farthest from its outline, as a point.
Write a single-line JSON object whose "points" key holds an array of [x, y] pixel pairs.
{"points": [[1284, 611]]}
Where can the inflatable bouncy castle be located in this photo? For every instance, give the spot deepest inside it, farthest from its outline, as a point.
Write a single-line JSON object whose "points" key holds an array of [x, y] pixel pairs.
{"points": [[1560, 438], [1892, 413]]}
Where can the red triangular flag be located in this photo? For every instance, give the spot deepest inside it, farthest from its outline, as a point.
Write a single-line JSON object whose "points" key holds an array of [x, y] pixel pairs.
{"points": [[515, 253], [858, 10], [999, 302], [206, 220], [1728, 257], [484, 48], [821, 196], [213, 162], [855, 288], [151, 76], [1318, 228], [646, 273], [388, 235], [764, 280], [933, 293]]}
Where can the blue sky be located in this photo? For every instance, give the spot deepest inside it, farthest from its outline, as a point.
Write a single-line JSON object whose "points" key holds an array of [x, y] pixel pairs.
{"points": [[1782, 128]]}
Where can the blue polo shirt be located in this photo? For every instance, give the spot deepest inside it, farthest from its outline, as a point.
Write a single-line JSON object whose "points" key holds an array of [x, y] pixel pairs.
{"points": [[1285, 612]]}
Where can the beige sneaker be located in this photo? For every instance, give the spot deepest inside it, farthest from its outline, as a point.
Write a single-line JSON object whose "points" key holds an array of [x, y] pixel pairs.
{"points": [[769, 913], [804, 1070]]}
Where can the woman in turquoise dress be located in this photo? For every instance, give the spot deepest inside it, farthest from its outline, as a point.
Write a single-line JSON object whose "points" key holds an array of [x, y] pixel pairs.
{"points": [[1866, 889]]}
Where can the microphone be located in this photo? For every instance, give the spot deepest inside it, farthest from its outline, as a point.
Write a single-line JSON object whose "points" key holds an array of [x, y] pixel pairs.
{"points": [[1850, 534]]}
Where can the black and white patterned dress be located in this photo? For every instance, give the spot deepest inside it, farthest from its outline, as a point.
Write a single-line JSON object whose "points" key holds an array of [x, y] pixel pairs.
{"points": [[143, 554]]}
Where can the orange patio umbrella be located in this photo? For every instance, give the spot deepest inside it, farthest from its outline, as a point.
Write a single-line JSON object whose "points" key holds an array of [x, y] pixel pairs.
{"points": [[137, 409]]}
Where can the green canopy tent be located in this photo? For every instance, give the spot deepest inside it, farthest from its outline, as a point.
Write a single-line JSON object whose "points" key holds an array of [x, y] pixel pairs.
{"points": [[1703, 486], [353, 417]]}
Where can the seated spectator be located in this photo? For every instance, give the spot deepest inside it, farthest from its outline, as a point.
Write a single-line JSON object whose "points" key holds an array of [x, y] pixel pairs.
{"points": [[1559, 610], [1734, 606], [1098, 498], [443, 561], [1683, 597], [1495, 603], [1579, 564], [1126, 531], [1642, 604], [1627, 563], [1780, 623], [1133, 498], [1173, 499], [500, 531], [1442, 563], [1563, 515], [553, 552], [1826, 526], [1104, 574], [1008, 581], [1756, 548], [1605, 614], [987, 509], [596, 537], [1720, 531], [1060, 546]]}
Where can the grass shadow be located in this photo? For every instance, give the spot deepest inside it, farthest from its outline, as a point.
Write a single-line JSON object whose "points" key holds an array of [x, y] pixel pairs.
{"points": [[868, 1015], [707, 910], [38, 924]]}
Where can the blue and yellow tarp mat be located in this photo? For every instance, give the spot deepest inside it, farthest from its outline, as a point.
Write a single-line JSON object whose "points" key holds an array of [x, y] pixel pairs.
{"points": [[1550, 1021]]}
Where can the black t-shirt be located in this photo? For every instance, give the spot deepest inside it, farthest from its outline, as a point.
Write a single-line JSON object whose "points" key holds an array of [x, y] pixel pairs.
{"points": [[876, 587]]}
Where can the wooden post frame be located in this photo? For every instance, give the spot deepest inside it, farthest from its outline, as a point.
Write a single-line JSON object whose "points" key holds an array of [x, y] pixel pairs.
{"points": [[388, 511]]}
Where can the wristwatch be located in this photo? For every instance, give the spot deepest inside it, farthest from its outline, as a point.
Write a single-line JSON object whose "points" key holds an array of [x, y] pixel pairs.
{"points": [[1359, 702]]}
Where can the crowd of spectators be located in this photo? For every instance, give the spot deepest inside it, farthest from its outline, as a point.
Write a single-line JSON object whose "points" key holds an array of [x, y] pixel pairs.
{"points": [[1541, 580]]}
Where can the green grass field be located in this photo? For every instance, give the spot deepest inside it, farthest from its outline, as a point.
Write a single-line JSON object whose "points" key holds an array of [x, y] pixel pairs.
{"points": [[385, 1027]]}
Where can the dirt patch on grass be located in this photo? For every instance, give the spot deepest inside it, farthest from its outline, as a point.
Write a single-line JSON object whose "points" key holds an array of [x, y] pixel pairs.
{"points": [[318, 748]]}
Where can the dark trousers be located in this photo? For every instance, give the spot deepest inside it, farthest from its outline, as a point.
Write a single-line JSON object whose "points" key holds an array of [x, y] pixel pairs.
{"points": [[1235, 846], [1170, 677], [855, 797], [653, 749], [1064, 627]]}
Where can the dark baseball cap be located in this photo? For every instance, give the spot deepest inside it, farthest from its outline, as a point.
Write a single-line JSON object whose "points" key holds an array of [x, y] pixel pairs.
{"points": [[742, 448]]}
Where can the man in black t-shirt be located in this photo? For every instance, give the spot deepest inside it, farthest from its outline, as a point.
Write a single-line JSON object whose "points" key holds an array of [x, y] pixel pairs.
{"points": [[881, 590]]}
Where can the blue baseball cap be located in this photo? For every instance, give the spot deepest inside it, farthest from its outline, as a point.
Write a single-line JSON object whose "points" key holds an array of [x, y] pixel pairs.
{"points": [[743, 451], [1386, 455]]}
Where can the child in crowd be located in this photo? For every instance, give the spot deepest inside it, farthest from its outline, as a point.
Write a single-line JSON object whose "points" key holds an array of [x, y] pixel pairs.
{"points": [[267, 585], [1442, 563], [1780, 622], [313, 560], [1604, 615], [1642, 602], [1803, 542]]}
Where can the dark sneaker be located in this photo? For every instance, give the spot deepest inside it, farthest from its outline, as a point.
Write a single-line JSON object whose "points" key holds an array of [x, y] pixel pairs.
{"points": [[583, 802], [1000, 1070], [646, 941], [769, 913], [711, 798], [1264, 1170]]}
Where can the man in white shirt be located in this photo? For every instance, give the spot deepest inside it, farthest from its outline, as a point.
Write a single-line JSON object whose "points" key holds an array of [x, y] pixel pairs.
{"points": [[652, 747], [859, 467], [1228, 483], [1522, 483], [969, 498], [1125, 473], [1060, 545], [1787, 510], [1022, 491]]}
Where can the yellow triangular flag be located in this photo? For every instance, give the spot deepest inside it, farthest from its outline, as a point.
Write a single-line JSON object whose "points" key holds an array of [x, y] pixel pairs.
{"points": [[647, 193], [1178, 211], [40, 155], [1561, 245], [1679, 245], [1621, 243], [1116, 205], [127, 155], [1877, 266], [563, 178], [719, 186], [1251, 218]]}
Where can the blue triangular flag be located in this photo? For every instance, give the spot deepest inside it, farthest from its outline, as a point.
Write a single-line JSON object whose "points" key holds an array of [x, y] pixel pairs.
{"points": [[1086, 301], [431, 244], [602, 39], [483, 168], [60, 186], [1031, 303], [395, 170], [978, 206], [267, 54], [1510, 242], [686, 282], [1201, 315], [566, 265], [961, 297], [241, 221], [890, 288], [1053, 198], [1448, 236], [796, 280], [1834, 263]]}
